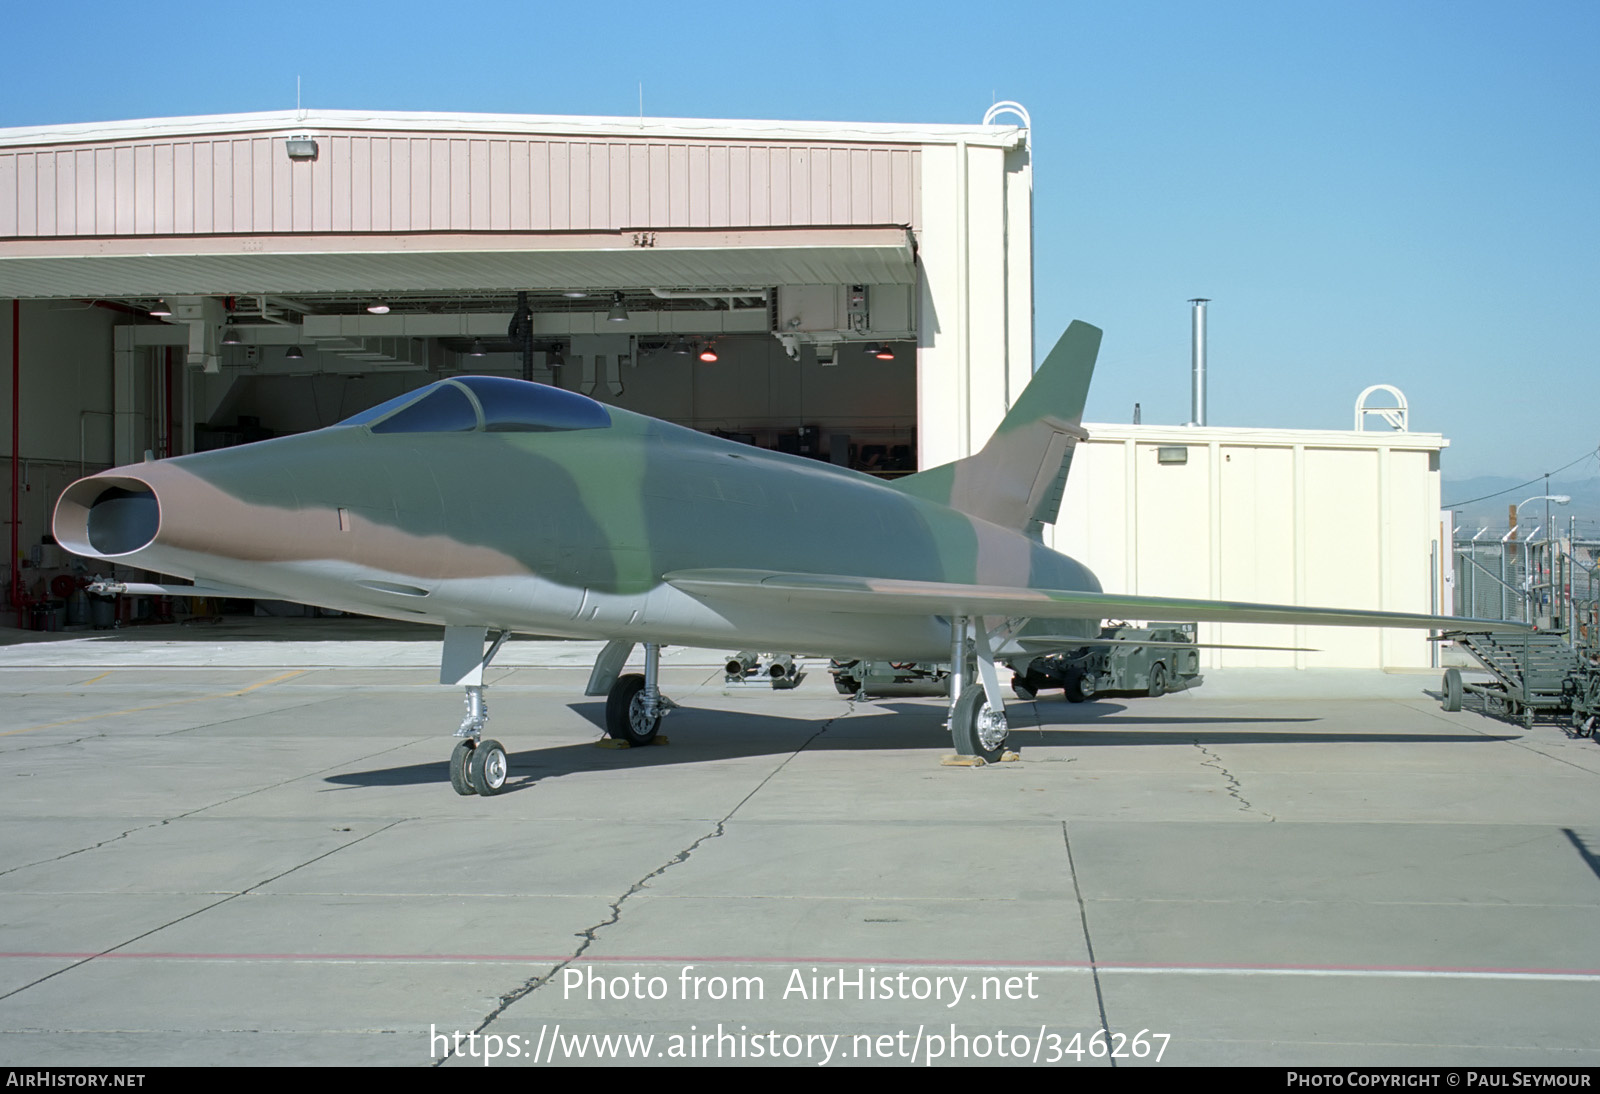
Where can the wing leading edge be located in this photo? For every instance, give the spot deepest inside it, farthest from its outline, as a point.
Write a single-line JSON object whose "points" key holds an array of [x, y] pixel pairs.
{"points": [[886, 596]]}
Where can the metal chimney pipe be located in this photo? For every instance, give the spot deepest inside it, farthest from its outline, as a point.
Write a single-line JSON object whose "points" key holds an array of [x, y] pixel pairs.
{"points": [[1198, 395]]}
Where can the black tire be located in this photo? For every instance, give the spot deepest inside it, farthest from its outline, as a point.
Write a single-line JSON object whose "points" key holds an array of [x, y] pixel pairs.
{"points": [[964, 729], [1452, 690], [624, 712], [844, 685], [460, 762], [489, 768], [1073, 688], [1020, 688], [1158, 680]]}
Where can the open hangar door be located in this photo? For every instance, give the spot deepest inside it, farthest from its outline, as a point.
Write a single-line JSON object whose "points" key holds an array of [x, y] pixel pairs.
{"points": [[133, 368], [194, 373], [824, 371], [254, 275]]}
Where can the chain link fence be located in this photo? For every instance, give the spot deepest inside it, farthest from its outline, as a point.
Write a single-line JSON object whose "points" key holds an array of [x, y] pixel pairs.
{"points": [[1552, 583]]}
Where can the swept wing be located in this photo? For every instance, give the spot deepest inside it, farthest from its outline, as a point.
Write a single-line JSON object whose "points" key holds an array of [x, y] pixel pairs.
{"points": [[890, 596]]}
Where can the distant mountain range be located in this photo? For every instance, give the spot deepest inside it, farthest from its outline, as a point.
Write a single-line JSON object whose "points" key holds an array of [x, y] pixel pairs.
{"points": [[1498, 494]]}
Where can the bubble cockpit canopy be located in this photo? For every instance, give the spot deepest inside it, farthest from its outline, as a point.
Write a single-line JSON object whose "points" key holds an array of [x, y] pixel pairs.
{"points": [[494, 404]]}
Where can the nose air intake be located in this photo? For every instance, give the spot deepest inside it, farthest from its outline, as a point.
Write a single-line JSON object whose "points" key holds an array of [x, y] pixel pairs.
{"points": [[121, 520], [101, 517]]}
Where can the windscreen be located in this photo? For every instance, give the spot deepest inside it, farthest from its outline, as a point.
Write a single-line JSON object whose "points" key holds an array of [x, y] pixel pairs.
{"points": [[517, 406], [445, 409], [507, 405]]}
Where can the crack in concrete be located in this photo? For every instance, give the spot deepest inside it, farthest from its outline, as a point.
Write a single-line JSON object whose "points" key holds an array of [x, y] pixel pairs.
{"points": [[168, 733], [1215, 762], [51, 744], [590, 934], [250, 714], [201, 809], [198, 911], [1088, 938]]}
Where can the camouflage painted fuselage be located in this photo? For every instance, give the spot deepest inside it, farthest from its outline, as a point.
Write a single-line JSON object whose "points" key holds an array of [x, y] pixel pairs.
{"points": [[562, 533]]}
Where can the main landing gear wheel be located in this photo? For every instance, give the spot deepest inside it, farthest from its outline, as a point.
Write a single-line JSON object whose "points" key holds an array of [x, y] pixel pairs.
{"points": [[488, 768], [1076, 688], [625, 712], [1158, 679], [1452, 690], [976, 729], [460, 762]]}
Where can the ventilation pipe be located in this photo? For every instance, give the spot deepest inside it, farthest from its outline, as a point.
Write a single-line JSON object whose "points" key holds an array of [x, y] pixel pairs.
{"points": [[16, 425], [1198, 393]]}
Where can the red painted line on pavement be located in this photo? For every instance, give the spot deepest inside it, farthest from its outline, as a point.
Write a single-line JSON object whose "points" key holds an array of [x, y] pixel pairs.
{"points": [[685, 959]]}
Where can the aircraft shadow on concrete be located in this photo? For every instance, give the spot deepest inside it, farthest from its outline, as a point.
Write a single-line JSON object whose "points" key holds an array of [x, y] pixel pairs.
{"points": [[703, 735], [696, 735], [1590, 858], [1112, 723]]}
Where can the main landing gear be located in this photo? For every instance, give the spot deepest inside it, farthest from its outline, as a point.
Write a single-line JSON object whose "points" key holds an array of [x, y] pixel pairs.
{"points": [[477, 766], [634, 703], [978, 725]]}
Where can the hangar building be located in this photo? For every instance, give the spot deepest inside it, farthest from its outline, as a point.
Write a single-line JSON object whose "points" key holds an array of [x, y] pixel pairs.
{"points": [[860, 293]]}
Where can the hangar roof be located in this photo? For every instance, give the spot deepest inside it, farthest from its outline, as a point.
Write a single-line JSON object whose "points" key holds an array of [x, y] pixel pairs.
{"points": [[998, 136], [415, 202]]}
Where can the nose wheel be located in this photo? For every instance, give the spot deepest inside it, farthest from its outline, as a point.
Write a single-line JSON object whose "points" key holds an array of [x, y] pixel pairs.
{"points": [[460, 767], [478, 767]]}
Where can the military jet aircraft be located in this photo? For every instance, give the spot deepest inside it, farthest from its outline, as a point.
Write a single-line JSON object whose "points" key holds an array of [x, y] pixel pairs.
{"points": [[493, 506]]}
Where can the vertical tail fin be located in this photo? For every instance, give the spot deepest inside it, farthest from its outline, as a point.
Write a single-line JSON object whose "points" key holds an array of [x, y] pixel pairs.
{"points": [[1017, 479]]}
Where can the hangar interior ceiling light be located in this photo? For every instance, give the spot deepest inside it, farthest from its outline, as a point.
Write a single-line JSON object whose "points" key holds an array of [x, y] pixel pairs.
{"points": [[230, 336], [709, 354], [160, 310], [546, 301], [294, 353], [618, 312]]}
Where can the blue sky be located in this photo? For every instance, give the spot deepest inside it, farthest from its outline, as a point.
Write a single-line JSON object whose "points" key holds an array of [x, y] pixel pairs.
{"points": [[1403, 192]]}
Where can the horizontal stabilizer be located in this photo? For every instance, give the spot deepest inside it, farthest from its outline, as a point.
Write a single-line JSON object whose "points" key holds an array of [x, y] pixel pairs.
{"points": [[887, 596]]}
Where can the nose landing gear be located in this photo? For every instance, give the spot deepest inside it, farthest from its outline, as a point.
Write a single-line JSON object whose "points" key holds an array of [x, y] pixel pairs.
{"points": [[477, 766]]}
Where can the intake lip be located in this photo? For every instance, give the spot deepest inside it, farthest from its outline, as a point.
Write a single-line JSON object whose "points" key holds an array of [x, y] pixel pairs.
{"points": [[107, 516]]}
